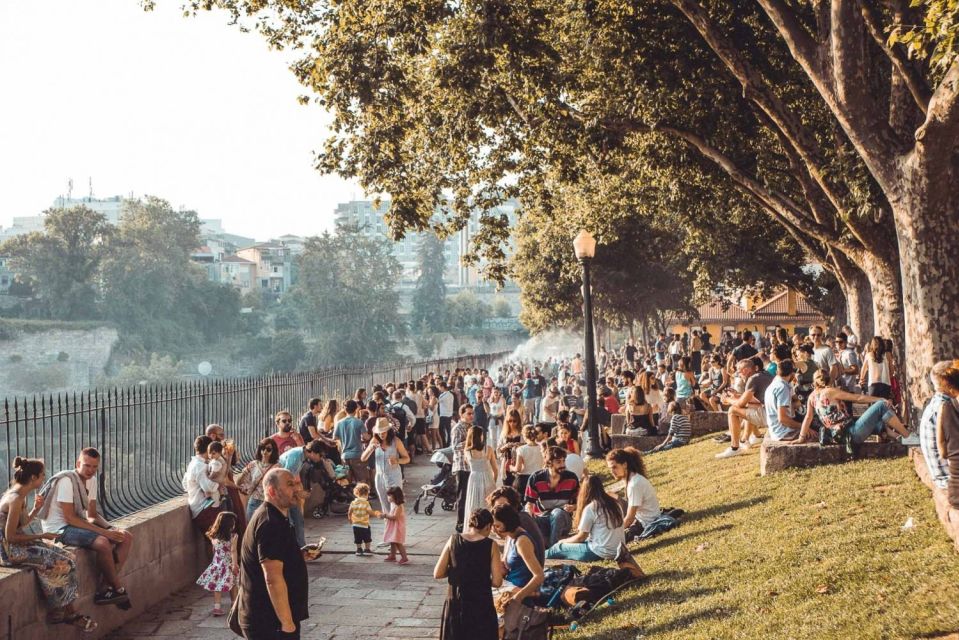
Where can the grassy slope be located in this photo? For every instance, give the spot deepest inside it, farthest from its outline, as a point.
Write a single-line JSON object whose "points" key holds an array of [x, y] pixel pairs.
{"points": [[753, 555]]}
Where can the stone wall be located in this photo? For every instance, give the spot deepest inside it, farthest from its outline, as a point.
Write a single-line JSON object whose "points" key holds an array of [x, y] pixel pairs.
{"points": [[168, 554], [778, 456], [948, 516], [54, 360]]}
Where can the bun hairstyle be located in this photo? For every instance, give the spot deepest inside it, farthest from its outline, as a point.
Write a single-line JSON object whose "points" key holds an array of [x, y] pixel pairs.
{"points": [[26, 469], [947, 372]]}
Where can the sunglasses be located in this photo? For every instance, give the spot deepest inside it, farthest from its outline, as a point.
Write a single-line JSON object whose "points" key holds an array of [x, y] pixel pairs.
{"points": [[285, 421], [267, 449]]}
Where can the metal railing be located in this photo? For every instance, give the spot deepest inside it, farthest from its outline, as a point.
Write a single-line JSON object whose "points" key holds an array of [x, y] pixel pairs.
{"points": [[145, 433]]}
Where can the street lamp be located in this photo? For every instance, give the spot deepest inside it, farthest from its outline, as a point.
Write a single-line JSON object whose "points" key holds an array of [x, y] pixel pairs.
{"points": [[584, 246]]}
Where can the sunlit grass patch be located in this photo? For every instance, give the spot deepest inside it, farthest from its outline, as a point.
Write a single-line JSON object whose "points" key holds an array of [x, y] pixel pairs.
{"points": [[815, 553]]}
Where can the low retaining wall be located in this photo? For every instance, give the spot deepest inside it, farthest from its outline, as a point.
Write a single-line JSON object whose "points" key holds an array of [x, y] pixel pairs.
{"points": [[701, 422], [778, 456], [168, 554], [948, 516]]}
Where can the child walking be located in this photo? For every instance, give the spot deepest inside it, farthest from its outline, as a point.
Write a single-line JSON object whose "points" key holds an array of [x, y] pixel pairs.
{"points": [[359, 515], [395, 532], [219, 576]]}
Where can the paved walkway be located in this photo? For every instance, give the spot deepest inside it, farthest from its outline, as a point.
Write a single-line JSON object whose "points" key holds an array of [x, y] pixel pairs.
{"points": [[350, 597]]}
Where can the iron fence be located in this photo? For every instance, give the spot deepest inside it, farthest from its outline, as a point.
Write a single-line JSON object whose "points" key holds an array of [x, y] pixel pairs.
{"points": [[145, 433]]}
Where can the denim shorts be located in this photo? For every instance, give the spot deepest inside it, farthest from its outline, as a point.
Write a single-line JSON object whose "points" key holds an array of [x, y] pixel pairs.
{"points": [[77, 537]]}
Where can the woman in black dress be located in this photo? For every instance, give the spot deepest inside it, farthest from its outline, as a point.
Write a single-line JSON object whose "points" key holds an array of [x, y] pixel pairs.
{"points": [[471, 563]]}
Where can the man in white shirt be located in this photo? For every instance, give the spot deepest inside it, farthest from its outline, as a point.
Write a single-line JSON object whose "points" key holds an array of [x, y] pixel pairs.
{"points": [[199, 486], [86, 527], [823, 355], [446, 412]]}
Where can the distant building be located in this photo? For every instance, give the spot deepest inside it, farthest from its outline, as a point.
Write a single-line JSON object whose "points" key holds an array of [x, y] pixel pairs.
{"points": [[274, 265], [238, 272], [6, 275]]}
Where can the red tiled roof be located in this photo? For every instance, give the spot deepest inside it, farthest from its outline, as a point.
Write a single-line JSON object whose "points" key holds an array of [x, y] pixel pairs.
{"points": [[779, 306]]}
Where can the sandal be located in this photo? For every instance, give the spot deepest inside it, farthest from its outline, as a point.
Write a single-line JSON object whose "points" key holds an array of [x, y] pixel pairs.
{"points": [[86, 624], [217, 611]]}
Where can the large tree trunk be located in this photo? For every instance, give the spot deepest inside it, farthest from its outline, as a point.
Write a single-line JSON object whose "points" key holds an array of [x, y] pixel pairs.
{"points": [[857, 292], [927, 223], [886, 292]]}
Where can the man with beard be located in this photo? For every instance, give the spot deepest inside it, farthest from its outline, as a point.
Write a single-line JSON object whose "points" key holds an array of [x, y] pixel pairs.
{"points": [[285, 438]]}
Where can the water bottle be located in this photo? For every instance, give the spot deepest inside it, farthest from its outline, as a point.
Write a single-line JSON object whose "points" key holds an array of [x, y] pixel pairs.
{"points": [[574, 626]]}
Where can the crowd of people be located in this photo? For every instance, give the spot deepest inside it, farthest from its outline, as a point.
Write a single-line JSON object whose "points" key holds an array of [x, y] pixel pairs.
{"points": [[514, 439]]}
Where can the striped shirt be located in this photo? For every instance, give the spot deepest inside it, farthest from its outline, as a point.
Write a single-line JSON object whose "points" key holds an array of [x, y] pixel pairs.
{"points": [[680, 428], [544, 497], [938, 468], [360, 513]]}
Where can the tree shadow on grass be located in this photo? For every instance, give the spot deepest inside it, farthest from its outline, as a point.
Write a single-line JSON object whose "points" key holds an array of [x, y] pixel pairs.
{"points": [[658, 597], [666, 540], [722, 509], [684, 621]]}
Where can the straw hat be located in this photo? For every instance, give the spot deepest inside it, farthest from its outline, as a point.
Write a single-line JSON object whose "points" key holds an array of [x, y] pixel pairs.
{"points": [[382, 426]]}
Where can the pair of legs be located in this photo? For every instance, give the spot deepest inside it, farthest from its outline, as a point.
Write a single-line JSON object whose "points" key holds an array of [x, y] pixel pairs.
{"points": [[874, 420], [554, 525], [111, 555], [742, 425], [362, 538], [434, 438], [397, 548], [218, 602], [359, 470], [446, 425]]}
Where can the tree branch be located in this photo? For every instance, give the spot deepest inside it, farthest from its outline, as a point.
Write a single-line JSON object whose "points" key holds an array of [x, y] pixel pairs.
{"points": [[758, 91], [873, 138], [917, 85]]}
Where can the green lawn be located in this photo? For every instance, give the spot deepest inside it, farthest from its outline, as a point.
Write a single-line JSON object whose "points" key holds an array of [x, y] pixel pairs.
{"points": [[813, 554]]}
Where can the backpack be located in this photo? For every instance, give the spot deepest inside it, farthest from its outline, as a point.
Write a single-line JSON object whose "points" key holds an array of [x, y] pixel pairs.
{"points": [[398, 411]]}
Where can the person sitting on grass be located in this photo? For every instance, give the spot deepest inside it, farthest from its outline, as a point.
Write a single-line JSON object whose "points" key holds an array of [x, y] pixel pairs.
{"points": [[509, 496], [680, 429], [524, 572], [551, 496], [829, 404], [599, 527], [642, 505]]}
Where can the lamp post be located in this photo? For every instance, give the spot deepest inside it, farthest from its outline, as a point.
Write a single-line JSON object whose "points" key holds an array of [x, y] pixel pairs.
{"points": [[584, 246]]}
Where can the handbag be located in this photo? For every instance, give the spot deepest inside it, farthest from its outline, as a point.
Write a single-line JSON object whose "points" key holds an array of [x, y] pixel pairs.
{"points": [[234, 617], [521, 622]]}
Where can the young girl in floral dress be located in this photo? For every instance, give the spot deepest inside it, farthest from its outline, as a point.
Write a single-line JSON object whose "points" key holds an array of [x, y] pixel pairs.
{"points": [[219, 576], [395, 532]]}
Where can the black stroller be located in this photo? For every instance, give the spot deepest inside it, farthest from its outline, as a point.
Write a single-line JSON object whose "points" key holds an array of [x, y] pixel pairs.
{"points": [[337, 491], [442, 485]]}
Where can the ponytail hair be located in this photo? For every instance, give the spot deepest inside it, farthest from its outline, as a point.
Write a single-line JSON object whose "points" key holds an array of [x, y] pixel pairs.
{"points": [[629, 457], [26, 469]]}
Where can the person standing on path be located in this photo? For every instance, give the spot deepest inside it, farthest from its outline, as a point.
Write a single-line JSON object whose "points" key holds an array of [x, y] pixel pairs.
{"points": [[389, 453], [460, 465], [482, 464], [445, 405], [349, 434], [273, 579], [472, 565]]}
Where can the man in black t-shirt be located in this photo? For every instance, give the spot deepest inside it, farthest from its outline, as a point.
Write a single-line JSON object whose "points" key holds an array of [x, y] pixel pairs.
{"points": [[269, 552], [308, 422], [745, 350]]}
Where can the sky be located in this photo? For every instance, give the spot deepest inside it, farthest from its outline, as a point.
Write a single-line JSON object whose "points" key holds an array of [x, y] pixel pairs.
{"points": [[154, 103]]}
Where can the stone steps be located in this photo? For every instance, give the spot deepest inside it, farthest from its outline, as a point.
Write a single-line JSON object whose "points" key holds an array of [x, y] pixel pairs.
{"points": [[779, 456], [948, 516]]}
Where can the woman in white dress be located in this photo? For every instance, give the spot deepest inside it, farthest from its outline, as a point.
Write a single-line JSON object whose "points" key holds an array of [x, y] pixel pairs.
{"points": [[482, 478]]}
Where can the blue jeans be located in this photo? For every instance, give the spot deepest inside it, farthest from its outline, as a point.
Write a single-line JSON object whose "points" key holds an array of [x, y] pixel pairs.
{"points": [[577, 552], [77, 537], [251, 506], [299, 525], [554, 525], [871, 422]]}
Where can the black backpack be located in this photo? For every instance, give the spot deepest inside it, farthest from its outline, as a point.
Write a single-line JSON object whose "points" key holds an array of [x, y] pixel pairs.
{"points": [[398, 411]]}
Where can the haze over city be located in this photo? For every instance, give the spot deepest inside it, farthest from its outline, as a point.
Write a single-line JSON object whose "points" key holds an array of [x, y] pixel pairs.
{"points": [[188, 109]]}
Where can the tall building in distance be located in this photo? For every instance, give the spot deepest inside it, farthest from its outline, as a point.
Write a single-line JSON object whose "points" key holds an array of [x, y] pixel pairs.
{"points": [[370, 219]]}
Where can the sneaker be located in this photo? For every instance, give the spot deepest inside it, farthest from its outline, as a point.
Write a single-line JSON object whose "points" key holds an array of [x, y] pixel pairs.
{"points": [[744, 445], [111, 596], [723, 438], [912, 440], [754, 440], [730, 452], [360, 553]]}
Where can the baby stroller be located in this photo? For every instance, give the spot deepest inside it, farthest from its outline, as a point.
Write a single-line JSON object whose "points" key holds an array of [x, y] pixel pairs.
{"points": [[442, 485], [337, 491]]}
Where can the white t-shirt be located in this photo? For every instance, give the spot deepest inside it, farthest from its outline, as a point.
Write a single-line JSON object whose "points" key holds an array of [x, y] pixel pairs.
{"points": [[576, 464], [446, 405], [640, 493], [603, 540], [532, 456], [64, 493], [824, 357]]}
